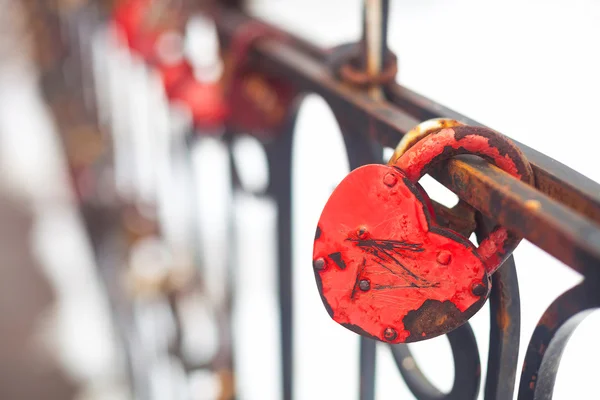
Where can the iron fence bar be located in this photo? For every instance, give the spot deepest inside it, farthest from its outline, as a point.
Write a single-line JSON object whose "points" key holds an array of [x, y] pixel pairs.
{"points": [[279, 156], [546, 216]]}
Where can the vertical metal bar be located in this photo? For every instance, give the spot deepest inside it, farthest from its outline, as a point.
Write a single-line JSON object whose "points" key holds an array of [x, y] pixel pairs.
{"points": [[280, 168], [368, 349], [375, 26]]}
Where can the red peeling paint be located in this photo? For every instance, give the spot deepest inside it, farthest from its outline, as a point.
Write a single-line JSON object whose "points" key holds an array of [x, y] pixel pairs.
{"points": [[418, 158]]}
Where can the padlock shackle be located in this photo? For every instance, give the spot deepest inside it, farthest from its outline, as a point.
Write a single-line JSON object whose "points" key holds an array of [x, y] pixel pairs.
{"points": [[446, 143]]}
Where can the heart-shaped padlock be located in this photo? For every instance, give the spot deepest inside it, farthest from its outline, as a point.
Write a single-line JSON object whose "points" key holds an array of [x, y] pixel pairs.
{"points": [[258, 103], [384, 267]]}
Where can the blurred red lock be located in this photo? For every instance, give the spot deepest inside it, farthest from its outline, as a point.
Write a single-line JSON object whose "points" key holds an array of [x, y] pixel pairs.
{"points": [[205, 100], [174, 75], [258, 103], [142, 23], [160, 45], [129, 18]]}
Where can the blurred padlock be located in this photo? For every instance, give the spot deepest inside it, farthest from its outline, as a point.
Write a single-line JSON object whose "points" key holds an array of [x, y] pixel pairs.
{"points": [[258, 103], [205, 101]]}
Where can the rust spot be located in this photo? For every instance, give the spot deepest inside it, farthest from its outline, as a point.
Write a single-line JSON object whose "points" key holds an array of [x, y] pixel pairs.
{"points": [[350, 71], [533, 205], [430, 319], [503, 319], [390, 334]]}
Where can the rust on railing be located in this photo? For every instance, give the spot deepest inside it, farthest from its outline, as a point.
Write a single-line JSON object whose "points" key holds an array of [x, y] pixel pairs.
{"points": [[561, 216]]}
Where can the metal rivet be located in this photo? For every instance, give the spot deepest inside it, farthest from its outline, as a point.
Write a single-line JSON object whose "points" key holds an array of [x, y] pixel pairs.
{"points": [[444, 257], [390, 179], [390, 334], [364, 285], [319, 263], [361, 232], [478, 289]]}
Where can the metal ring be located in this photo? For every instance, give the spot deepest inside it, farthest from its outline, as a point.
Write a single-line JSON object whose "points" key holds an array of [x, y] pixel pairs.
{"points": [[344, 61]]}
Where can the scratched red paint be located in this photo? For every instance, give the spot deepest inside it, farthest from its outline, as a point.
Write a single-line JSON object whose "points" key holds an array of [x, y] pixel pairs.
{"points": [[398, 256]]}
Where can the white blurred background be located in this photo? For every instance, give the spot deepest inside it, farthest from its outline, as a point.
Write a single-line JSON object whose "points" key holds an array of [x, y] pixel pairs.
{"points": [[528, 69]]}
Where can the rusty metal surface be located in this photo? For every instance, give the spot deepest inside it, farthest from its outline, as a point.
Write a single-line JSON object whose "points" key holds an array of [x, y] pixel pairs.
{"points": [[345, 61], [550, 338], [554, 213]]}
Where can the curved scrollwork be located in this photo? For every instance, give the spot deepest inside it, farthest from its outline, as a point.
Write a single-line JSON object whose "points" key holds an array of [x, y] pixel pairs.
{"points": [[550, 338], [467, 368]]}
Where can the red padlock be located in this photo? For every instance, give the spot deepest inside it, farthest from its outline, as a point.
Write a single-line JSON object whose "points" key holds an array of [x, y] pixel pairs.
{"points": [[258, 103], [142, 23], [129, 17], [161, 47], [383, 266], [205, 101], [174, 75]]}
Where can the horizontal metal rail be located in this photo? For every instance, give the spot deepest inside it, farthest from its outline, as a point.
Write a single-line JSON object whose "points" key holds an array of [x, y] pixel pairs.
{"points": [[561, 215]]}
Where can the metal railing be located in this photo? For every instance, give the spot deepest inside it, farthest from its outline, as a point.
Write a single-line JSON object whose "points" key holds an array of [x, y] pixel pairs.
{"points": [[560, 214]]}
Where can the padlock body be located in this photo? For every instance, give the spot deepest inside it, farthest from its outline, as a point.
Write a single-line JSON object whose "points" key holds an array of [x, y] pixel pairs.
{"points": [[385, 269]]}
